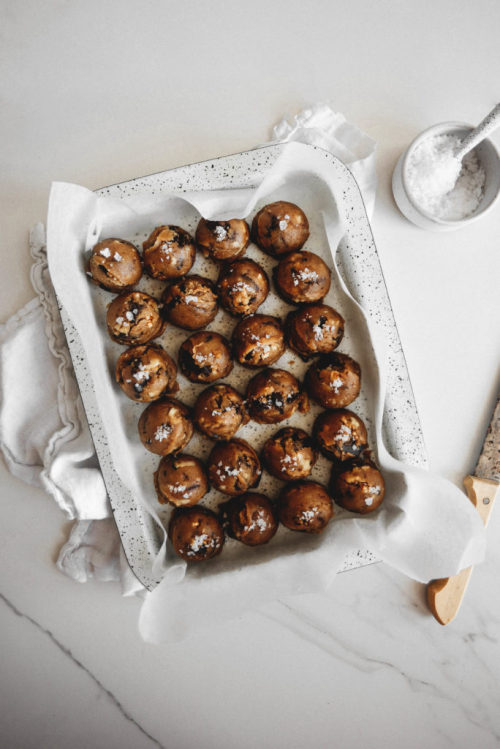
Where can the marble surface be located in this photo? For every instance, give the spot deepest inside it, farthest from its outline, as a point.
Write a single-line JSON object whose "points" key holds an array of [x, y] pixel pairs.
{"points": [[98, 93]]}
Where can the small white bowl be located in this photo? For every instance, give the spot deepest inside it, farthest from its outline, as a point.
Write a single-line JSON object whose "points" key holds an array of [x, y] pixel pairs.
{"points": [[489, 158]]}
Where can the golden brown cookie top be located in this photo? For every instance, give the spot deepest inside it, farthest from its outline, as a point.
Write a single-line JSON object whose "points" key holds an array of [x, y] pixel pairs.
{"points": [[165, 426], [250, 518], [219, 412], [223, 240], [168, 253], [134, 318], [305, 506], [289, 454], [302, 277], [146, 372], [258, 341], [242, 287], [273, 395], [191, 302], [115, 265], [314, 329], [205, 357], [334, 380], [233, 467], [358, 486], [280, 227], [196, 533], [180, 480], [340, 434]]}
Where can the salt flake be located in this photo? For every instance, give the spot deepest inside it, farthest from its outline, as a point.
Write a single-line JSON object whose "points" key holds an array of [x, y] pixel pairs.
{"points": [[162, 432], [220, 233]]}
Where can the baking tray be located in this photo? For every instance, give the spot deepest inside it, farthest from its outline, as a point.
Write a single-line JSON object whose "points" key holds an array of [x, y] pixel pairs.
{"points": [[359, 265]]}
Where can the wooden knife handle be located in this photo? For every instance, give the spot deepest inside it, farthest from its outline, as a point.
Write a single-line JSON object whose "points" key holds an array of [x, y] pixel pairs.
{"points": [[444, 596]]}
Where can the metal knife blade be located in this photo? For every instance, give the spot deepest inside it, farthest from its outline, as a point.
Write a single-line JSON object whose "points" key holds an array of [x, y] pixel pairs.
{"points": [[488, 465]]}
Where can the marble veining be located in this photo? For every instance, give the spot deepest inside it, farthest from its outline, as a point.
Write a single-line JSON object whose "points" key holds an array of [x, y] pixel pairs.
{"points": [[425, 658], [67, 652]]}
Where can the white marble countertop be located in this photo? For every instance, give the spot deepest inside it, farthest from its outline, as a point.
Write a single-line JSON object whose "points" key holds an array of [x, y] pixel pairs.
{"points": [[97, 93]]}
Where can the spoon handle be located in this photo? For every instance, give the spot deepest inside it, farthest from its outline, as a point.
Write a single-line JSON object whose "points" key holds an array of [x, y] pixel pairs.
{"points": [[485, 127]]}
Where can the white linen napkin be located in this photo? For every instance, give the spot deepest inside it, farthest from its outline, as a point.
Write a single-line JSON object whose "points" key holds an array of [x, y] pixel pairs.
{"points": [[43, 431], [321, 126], [47, 443], [44, 435]]}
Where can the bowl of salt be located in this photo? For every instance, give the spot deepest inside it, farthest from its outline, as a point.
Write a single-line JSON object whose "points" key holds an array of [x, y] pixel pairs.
{"points": [[439, 192]]}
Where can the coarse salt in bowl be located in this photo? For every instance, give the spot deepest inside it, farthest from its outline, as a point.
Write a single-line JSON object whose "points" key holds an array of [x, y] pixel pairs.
{"points": [[423, 174]]}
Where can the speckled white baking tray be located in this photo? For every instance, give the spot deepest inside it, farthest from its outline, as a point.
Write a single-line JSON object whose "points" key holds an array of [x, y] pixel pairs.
{"points": [[359, 265]]}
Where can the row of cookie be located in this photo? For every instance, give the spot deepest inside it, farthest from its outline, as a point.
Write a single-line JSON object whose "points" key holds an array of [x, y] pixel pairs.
{"points": [[170, 251], [147, 373], [192, 302], [136, 318], [233, 466], [204, 357], [198, 534]]}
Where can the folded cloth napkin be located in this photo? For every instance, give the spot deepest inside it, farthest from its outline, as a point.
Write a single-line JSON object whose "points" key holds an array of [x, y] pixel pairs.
{"points": [[43, 431], [47, 442], [44, 435], [320, 126]]}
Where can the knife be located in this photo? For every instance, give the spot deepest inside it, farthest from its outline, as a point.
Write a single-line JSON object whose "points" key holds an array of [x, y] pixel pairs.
{"points": [[444, 596]]}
